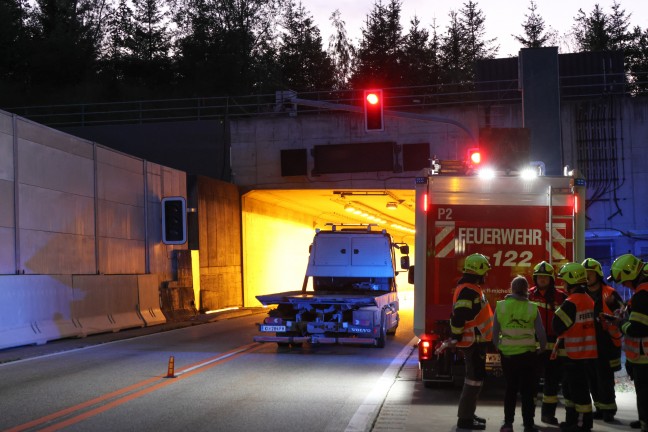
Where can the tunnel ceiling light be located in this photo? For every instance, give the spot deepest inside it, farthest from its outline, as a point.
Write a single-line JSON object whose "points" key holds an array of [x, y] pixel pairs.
{"points": [[392, 205], [349, 208]]}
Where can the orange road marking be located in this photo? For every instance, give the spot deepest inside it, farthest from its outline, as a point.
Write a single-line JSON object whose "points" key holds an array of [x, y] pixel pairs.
{"points": [[186, 372]]}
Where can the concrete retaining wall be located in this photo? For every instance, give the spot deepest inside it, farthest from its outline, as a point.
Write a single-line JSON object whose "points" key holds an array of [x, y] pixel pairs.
{"points": [[80, 235]]}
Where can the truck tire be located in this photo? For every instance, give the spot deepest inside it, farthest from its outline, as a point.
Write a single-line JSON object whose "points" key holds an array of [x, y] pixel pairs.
{"points": [[382, 338], [392, 331]]}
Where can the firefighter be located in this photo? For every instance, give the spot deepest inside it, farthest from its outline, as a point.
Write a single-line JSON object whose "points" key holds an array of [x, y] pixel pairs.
{"points": [[548, 298], [574, 324], [518, 322], [608, 342], [471, 324], [628, 270]]}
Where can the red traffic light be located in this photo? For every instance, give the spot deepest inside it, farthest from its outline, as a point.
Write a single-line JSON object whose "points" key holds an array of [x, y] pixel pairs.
{"points": [[373, 110], [372, 98]]}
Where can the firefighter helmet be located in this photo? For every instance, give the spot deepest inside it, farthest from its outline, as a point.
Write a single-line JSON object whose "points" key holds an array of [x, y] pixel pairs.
{"points": [[573, 273], [592, 264], [626, 268], [543, 269], [476, 264]]}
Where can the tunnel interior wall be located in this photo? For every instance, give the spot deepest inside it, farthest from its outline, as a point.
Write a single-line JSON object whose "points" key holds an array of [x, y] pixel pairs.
{"points": [[275, 248]]}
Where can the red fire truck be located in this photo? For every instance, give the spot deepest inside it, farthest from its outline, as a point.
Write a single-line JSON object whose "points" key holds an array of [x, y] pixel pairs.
{"points": [[516, 219]]}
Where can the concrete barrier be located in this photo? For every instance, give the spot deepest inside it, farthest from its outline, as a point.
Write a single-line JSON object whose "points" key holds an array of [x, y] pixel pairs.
{"points": [[35, 309], [148, 288], [106, 303]]}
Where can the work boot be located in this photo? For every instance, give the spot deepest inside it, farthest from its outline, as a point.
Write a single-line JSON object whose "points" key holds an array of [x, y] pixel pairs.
{"points": [[479, 419], [470, 424], [635, 424], [549, 420], [566, 427], [608, 416], [506, 427], [531, 428], [548, 413]]}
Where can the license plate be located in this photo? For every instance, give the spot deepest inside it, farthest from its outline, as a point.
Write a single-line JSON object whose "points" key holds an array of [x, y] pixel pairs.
{"points": [[273, 328], [493, 359]]}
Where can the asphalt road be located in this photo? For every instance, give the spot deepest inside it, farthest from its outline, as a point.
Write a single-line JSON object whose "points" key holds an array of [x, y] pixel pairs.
{"points": [[222, 382], [225, 382]]}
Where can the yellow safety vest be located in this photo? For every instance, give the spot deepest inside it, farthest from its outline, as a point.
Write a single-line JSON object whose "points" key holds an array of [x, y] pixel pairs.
{"points": [[517, 322]]}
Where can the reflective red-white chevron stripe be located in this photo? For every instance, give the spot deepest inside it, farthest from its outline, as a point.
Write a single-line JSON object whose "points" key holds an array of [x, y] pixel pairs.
{"points": [[444, 239], [557, 246]]}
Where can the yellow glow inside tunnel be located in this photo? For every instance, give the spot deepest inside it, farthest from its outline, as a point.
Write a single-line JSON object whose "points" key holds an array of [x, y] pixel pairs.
{"points": [[275, 250], [195, 276], [276, 244]]}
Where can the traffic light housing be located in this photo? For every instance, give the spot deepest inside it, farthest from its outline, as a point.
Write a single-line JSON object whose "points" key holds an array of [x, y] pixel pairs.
{"points": [[373, 110], [174, 220]]}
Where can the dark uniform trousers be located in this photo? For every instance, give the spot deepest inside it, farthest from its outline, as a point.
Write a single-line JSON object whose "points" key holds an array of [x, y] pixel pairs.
{"points": [[519, 376], [551, 371], [475, 358], [601, 381], [575, 387], [640, 377]]}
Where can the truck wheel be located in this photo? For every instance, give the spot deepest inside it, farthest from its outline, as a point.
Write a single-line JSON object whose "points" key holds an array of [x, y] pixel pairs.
{"points": [[392, 331], [382, 338]]}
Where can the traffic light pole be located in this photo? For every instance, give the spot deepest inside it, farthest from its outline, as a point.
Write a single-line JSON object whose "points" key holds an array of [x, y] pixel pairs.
{"points": [[387, 113]]}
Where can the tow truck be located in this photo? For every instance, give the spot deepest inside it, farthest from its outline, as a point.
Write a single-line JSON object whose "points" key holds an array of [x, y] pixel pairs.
{"points": [[354, 297]]}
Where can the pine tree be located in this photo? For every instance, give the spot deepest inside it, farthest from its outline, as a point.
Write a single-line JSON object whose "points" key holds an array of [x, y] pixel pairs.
{"points": [[620, 36], [473, 20], [420, 56], [534, 35], [227, 47], [119, 46], [379, 56], [304, 65], [14, 35], [452, 56], [66, 44], [592, 32]]}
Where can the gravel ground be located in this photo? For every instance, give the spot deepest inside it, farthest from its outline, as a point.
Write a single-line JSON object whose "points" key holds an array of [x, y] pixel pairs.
{"points": [[622, 382]]}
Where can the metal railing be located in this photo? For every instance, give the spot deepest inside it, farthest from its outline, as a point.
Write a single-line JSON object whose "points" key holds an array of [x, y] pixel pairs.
{"points": [[418, 98]]}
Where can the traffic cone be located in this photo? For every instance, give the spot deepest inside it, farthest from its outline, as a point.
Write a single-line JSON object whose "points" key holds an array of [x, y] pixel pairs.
{"points": [[170, 368]]}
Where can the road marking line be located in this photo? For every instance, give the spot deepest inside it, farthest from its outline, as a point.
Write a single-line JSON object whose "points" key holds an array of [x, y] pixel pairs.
{"points": [[370, 407], [129, 392]]}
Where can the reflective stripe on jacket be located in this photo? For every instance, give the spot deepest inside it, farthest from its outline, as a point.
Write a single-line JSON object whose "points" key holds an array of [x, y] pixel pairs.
{"points": [[483, 321], [636, 349], [517, 321], [580, 337], [613, 330]]}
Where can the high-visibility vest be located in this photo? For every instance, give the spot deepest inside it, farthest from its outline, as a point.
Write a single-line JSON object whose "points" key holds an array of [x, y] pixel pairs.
{"points": [[612, 329], [580, 337], [517, 322], [636, 349], [483, 321]]}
